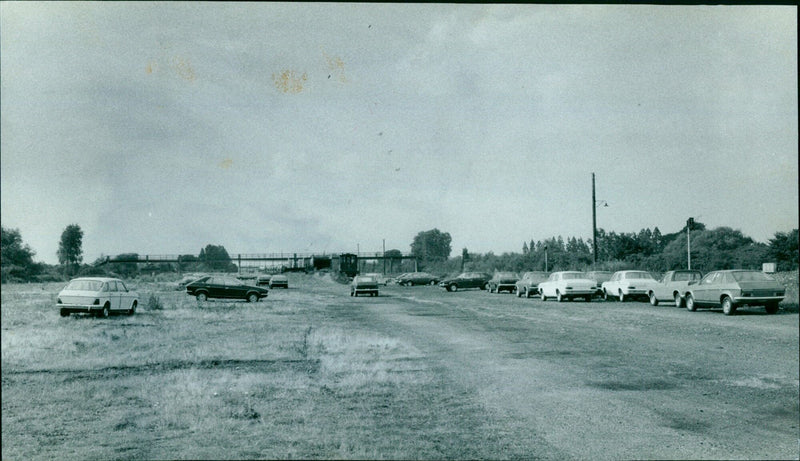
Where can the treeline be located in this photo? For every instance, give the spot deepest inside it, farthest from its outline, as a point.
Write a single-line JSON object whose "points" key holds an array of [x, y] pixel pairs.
{"points": [[720, 248], [17, 264]]}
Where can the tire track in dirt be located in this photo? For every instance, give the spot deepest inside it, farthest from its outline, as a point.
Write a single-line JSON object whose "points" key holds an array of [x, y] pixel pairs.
{"points": [[116, 371]]}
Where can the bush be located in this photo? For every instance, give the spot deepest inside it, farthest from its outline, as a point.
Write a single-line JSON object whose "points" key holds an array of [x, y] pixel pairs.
{"points": [[154, 303]]}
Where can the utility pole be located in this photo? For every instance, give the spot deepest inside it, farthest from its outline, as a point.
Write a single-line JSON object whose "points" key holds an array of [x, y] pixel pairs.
{"points": [[689, 225], [545, 258], [384, 256], [594, 223]]}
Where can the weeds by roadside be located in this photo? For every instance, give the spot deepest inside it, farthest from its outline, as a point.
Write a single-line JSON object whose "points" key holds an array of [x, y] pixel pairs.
{"points": [[154, 303]]}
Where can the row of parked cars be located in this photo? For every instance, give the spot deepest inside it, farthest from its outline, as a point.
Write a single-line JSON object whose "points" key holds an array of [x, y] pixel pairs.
{"points": [[727, 289]]}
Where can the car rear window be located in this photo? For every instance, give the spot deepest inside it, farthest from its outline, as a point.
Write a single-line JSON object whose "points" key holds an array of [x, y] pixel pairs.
{"points": [[753, 276], [85, 285]]}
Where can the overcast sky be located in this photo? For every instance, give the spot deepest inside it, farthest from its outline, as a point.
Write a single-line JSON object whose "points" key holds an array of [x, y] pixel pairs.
{"points": [[160, 128]]}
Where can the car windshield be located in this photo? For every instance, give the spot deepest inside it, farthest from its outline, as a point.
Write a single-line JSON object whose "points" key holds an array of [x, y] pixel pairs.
{"points": [[572, 275], [638, 275], [751, 276], [84, 285], [686, 276]]}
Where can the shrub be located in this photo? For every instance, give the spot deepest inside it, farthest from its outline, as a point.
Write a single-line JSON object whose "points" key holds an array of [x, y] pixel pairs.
{"points": [[154, 303]]}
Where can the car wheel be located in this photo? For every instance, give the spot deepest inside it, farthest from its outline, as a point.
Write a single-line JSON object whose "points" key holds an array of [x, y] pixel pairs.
{"points": [[559, 298], [771, 308], [63, 312], [678, 300], [653, 299], [519, 293], [527, 293], [106, 311], [202, 297], [485, 286], [621, 296], [690, 305], [543, 296], [452, 287], [605, 295], [252, 298], [433, 282], [132, 310], [727, 306], [352, 293]]}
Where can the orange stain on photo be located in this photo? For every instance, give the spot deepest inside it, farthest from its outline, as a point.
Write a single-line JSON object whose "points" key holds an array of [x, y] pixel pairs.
{"points": [[289, 82], [225, 164]]}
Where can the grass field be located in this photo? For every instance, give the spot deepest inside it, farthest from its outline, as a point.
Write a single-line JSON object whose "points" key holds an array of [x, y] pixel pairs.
{"points": [[219, 380], [312, 373]]}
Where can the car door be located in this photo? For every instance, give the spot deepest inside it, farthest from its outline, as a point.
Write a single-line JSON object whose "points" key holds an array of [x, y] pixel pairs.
{"points": [[113, 295], [235, 289], [122, 291], [704, 290], [216, 287]]}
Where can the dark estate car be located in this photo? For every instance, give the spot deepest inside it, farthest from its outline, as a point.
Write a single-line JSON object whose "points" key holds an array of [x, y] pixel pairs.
{"points": [[503, 281], [466, 280], [417, 278], [528, 285], [733, 288], [364, 284], [224, 288]]}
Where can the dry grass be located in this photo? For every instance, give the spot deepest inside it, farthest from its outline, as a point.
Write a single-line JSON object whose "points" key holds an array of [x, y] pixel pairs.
{"points": [[274, 379]]}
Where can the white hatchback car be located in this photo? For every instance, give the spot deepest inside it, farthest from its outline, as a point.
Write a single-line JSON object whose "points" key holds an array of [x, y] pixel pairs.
{"points": [[567, 285], [100, 296], [624, 285]]}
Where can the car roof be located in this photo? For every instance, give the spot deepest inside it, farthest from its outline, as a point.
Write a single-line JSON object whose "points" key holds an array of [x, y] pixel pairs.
{"points": [[97, 279]]}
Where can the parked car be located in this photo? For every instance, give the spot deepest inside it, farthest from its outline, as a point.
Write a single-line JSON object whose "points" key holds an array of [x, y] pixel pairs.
{"points": [[599, 277], [364, 284], [101, 296], [567, 285], [672, 286], [224, 287], [417, 278], [528, 285], [503, 281], [731, 289], [279, 280], [624, 285], [466, 280], [396, 279], [263, 279]]}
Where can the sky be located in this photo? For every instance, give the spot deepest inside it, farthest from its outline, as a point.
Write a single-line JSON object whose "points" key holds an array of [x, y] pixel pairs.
{"points": [[160, 128]]}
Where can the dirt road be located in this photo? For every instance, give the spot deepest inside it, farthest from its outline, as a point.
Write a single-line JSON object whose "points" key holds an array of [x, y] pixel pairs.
{"points": [[607, 379]]}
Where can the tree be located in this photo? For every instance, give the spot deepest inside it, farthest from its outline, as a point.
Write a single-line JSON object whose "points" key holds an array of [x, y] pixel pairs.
{"points": [[431, 246], [216, 258], [784, 249], [395, 256], [70, 253], [17, 257]]}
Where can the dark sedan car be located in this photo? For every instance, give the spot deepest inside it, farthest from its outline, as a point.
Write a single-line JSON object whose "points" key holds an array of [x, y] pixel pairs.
{"points": [[417, 278], [224, 288], [503, 281], [466, 280]]}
